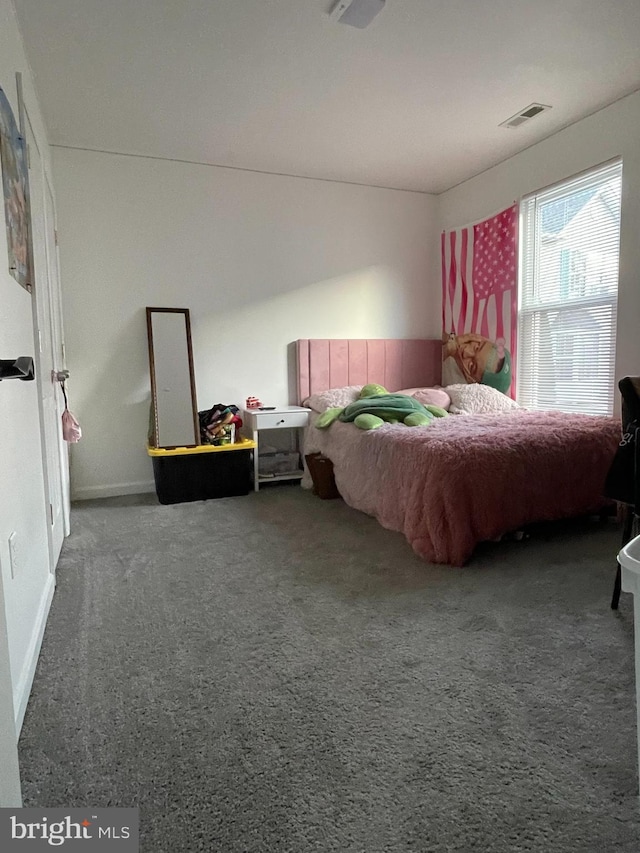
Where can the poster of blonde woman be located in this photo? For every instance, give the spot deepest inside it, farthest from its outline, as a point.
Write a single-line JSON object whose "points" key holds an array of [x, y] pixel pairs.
{"points": [[474, 358], [15, 184]]}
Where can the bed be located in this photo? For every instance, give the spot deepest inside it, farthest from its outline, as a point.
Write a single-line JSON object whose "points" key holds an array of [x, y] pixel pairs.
{"points": [[462, 480]]}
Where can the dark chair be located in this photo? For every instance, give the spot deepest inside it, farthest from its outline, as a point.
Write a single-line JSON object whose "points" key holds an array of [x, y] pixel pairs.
{"points": [[623, 480]]}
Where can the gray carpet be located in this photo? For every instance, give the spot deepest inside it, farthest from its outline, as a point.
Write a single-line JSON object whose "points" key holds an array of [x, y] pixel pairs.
{"points": [[279, 673]]}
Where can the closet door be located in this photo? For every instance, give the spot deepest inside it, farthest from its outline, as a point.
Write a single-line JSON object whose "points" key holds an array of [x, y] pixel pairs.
{"points": [[57, 343], [47, 364]]}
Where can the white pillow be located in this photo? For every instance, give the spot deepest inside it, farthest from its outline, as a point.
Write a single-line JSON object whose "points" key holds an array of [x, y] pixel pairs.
{"points": [[475, 399], [332, 398]]}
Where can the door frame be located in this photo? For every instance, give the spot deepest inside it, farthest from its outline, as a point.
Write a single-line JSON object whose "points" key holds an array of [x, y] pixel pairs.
{"points": [[45, 325], [57, 333]]}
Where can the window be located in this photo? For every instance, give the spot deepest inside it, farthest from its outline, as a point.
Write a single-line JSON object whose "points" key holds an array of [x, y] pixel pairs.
{"points": [[568, 294]]}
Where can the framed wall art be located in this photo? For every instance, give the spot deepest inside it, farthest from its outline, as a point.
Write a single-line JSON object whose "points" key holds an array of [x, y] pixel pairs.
{"points": [[15, 185]]}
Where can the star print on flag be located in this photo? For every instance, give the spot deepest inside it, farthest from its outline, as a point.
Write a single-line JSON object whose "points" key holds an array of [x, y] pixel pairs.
{"points": [[494, 255], [480, 278]]}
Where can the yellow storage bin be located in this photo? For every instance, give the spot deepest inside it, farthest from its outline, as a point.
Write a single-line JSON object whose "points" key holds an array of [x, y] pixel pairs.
{"points": [[202, 472]]}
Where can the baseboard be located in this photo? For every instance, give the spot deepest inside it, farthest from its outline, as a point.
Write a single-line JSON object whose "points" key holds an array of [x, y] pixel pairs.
{"points": [[112, 490], [22, 689]]}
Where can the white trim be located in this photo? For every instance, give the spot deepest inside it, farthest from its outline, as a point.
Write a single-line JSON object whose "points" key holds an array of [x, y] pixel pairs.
{"points": [[112, 490], [584, 173], [22, 688], [10, 794]]}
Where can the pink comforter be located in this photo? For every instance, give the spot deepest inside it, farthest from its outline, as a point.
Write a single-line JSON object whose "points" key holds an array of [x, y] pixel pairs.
{"points": [[470, 478]]}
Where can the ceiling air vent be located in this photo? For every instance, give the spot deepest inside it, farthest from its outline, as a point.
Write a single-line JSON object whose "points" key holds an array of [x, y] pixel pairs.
{"points": [[525, 115], [356, 13]]}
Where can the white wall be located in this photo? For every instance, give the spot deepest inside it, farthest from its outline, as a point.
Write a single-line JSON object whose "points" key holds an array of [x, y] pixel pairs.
{"points": [[260, 260], [22, 496], [611, 132]]}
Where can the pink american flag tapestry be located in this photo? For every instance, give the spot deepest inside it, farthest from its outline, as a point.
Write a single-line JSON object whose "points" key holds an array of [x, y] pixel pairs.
{"points": [[480, 301]]}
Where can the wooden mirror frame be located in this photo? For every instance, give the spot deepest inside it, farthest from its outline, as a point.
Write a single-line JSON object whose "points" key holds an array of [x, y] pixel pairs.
{"points": [[154, 437]]}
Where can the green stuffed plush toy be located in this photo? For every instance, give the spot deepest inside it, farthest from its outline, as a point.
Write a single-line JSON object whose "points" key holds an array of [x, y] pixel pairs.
{"points": [[376, 406]]}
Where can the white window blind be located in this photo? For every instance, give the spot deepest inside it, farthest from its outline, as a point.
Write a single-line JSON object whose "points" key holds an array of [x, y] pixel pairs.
{"points": [[568, 294]]}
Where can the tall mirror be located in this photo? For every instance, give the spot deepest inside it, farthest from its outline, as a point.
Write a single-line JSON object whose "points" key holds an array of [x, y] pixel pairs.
{"points": [[174, 412]]}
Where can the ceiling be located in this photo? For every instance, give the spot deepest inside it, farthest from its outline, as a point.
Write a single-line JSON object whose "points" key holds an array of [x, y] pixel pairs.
{"points": [[412, 102]]}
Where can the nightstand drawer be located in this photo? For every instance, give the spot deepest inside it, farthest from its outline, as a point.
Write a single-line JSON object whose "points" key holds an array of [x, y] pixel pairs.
{"points": [[281, 420]]}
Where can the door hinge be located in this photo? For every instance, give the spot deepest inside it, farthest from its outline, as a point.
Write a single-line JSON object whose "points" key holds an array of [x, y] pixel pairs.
{"points": [[28, 156], [51, 514], [55, 233]]}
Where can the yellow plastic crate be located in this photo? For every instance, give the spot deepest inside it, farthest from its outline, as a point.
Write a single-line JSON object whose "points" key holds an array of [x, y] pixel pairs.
{"points": [[202, 472], [161, 452]]}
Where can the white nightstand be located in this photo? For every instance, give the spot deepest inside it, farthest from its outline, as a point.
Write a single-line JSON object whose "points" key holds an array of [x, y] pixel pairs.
{"points": [[292, 418]]}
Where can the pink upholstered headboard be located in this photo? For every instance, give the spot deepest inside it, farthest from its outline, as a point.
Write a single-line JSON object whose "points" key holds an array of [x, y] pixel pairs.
{"points": [[396, 364]]}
